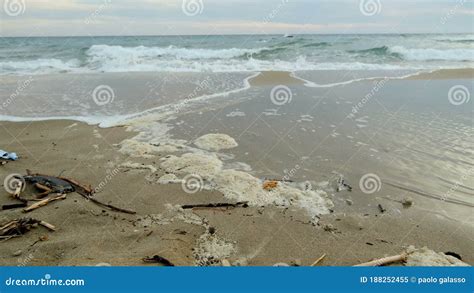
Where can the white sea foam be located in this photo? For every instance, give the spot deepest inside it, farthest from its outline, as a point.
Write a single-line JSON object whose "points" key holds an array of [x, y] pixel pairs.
{"points": [[434, 54], [40, 66]]}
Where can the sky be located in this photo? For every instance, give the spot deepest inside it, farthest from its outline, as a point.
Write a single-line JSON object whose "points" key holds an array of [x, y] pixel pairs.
{"points": [[203, 17]]}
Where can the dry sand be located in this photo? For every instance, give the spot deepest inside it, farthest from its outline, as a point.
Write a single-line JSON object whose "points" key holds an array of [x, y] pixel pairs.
{"points": [[90, 235]]}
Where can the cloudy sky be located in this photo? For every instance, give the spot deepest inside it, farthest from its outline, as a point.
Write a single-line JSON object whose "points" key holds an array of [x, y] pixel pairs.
{"points": [[173, 17]]}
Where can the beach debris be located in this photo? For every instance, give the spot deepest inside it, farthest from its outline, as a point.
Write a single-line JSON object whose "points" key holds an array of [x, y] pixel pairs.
{"points": [[221, 205], [215, 142], [270, 184], [320, 259], [14, 206], [2, 162], [384, 261], [48, 184], [407, 202], [381, 208], [341, 183], [329, 228], [158, 259], [427, 257], [349, 202], [43, 202], [18, 227], [59, 185], [114, 208], [419, 257], [454, 254], [8, 156]]}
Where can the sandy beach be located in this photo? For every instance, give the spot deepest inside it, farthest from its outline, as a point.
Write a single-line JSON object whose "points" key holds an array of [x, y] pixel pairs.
{"points": [[312, 143]]}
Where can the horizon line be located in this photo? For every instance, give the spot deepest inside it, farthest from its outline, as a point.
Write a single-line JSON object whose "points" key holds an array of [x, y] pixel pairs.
{"points": [[236, 34]]}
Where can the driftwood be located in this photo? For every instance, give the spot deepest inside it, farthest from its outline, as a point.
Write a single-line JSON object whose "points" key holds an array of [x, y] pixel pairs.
{"points": [[69, 185], [318, 260], [384, 261], [14, 206], [241, 204], [80, 188], [18, 227], [43, 202], [158, 259], [46, 190], [114, 208]]}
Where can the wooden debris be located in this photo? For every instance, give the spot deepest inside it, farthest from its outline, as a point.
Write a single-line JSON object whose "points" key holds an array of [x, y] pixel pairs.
{"points": [[46, 190], [80, 188], [47, 225], [381, 208], [241, 204], [384, 261], [14, 206], [66, 185], [21, 226], [318, 260], [158, 259], [114, 208], [43, 202]]}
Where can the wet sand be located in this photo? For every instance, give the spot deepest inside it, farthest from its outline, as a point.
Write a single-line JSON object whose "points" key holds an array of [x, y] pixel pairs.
{"points": [[356, 230]]}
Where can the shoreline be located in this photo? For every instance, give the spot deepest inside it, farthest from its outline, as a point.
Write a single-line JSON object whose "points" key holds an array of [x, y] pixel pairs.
{"points": [[90, 235], [128, 164], [254, 79]]}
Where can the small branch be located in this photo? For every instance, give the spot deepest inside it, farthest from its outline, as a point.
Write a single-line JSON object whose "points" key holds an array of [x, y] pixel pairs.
{"points": [[384, 261], [108, 205], [43, 202], [318, 260], [242, 204]]}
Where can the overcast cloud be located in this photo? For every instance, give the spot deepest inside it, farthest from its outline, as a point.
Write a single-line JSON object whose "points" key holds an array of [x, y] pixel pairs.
{"points": [[176, 17]]}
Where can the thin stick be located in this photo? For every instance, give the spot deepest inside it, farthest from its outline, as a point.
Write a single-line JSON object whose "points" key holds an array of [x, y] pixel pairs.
{"points": [[108, 205], [384, 261], [43, 202], [47, 225], [318, 260]]}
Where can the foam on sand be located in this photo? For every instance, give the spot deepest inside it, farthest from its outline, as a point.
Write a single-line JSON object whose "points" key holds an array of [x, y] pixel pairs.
{"points": [[215, 142], [210, 250], [242, 186], [427, 257], [202, 165]]}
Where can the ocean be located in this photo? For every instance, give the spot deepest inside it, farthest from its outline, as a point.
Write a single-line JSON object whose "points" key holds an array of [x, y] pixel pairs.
{"points": [[234, 53]]}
